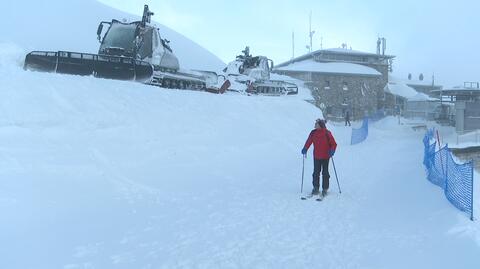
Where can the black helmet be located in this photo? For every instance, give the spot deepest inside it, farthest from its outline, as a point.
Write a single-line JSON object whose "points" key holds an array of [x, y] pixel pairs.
{"points": [[321, 122]]}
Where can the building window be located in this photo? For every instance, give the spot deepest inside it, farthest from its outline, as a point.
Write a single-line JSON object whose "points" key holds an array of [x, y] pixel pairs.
{"points": [[327, 85], [345, 86]]}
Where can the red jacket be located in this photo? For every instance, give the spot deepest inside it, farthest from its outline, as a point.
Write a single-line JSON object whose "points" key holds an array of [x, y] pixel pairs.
{"points": [[323, 142]]}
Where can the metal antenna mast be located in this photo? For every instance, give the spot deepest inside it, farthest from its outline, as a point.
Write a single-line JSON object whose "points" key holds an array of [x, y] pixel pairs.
{"points": [[311, 33], [293, 44]]}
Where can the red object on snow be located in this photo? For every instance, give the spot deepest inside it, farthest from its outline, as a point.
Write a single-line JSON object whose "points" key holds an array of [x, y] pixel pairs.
{"points": [[225, 86]]}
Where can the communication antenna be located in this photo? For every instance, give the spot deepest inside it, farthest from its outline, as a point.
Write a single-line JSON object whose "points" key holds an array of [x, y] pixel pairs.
{"points": [[384, 45], [293, 44], [311, 33], [379, 42]]}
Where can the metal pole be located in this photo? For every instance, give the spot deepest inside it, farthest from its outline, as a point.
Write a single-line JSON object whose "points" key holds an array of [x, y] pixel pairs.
{"points": [[471, 201], [446, 169], [303, 170], [334, 169], [293, 44], [441, 159]]}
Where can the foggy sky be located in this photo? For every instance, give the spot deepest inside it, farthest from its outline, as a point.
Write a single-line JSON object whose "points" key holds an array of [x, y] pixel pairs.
{"points": [[429, 37]]}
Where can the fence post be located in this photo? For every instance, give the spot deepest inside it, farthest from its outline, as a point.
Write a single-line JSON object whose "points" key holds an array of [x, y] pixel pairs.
{"points": [[473, 167], [446, 169], [438, 139]]}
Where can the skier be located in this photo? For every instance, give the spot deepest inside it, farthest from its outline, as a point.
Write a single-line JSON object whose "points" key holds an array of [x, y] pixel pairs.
{"points": [[324, 147]]}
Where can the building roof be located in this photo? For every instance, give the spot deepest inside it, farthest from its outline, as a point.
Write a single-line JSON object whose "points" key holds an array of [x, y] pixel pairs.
{"points": [[353, 52], [330, 67], [459, 91], [311, 55]]}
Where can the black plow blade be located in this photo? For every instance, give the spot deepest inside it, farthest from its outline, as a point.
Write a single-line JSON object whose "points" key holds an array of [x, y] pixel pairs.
{"points": [[85, 64]]}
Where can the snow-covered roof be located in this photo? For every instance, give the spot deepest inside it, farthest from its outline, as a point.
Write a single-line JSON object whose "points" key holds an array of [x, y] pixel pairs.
{"points": [[421, 97], [333, 51], [419, 83], [400, 89], [349, 51], [407, 92], [462, 88], [331, 67]]}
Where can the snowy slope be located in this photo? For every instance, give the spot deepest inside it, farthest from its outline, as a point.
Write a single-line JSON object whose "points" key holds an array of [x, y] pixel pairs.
{"points": [[99, 173], [72, 25], [110, 174]]}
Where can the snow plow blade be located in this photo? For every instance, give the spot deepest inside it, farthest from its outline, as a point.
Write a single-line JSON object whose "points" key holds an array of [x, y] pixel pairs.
{"points": [[85, 64]]}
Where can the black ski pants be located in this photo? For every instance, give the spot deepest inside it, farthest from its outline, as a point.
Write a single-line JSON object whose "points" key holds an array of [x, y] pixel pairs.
{"points": [[321, 165], [347, 121]]}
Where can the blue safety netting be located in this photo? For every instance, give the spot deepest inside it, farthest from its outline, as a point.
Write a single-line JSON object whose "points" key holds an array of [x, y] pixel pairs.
{"points": [[455, 179], [359, 135]]}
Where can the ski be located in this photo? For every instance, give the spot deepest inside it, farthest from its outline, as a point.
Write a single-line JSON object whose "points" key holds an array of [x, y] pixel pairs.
{"points": [[309, 196]]}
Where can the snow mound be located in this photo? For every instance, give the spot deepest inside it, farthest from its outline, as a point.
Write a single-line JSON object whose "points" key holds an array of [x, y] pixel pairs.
{"points": [[100, 173], [71, 25]]}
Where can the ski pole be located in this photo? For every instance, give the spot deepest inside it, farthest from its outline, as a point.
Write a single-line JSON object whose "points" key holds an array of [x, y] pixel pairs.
{"points": [[334, 169], [303, 169]]}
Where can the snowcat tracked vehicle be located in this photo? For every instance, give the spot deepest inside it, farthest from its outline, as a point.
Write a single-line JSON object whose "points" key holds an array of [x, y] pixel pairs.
{"points": [[253, 74], [128, 51]]}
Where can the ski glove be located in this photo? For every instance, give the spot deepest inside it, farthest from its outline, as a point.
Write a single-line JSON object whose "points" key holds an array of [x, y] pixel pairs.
{"points": [[331, 152], [304, 151]]}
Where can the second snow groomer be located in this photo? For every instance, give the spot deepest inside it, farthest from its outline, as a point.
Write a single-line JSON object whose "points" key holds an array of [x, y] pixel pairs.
{"points": [[324, 147]]}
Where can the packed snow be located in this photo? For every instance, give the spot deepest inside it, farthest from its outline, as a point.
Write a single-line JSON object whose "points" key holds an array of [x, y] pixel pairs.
{"points": [[109, 174], [99, 173]]}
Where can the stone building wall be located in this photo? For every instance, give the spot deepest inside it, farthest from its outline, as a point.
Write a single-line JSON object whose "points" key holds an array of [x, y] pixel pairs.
{"points": [[334, 93]]}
